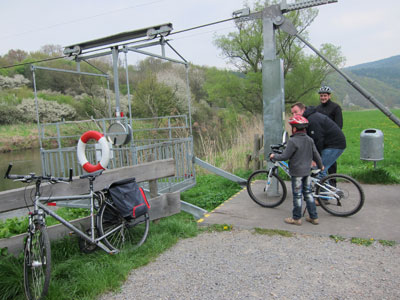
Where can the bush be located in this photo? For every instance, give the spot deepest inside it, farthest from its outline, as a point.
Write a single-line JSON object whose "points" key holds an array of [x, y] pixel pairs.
{"points": [[9, 115], [49, 111], [13, 82]]}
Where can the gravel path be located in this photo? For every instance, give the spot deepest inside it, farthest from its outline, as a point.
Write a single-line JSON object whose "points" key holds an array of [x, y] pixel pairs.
{"points": [[241, 265]]}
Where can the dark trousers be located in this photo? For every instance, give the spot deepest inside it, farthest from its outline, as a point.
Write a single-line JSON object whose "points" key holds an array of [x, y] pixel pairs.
{"points": [[333, 169]]}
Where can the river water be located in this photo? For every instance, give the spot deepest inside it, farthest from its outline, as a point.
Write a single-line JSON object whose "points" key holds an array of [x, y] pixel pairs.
{"points": [[24, 162]]}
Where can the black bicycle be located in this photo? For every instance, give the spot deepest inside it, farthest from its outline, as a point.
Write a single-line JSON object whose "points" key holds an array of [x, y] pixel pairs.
{"points": [[338, 194]]}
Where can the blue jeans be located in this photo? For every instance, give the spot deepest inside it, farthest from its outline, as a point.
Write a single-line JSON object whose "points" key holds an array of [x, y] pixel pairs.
{"points": [[329, 156], [301, 186]]}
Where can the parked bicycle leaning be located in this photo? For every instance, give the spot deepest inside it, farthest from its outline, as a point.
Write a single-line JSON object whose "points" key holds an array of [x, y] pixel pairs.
{"points": [[110, 229], [300, 152]]}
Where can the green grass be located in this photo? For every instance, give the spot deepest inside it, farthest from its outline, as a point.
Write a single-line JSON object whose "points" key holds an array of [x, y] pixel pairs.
{"points": [[85, 276], [362, 241], [15, 226], [216, 227], [211, 190], [337, 238], [271, 232], [387, 243], [388, 170]]}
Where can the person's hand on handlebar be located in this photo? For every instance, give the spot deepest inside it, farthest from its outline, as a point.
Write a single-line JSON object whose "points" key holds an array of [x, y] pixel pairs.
{"points": [[314, 164], [271, 156]]}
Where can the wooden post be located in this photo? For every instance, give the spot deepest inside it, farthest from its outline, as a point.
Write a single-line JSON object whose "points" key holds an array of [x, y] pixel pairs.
{"points": [[153, 183], [153, 186], [256, 154], [248, 159]]}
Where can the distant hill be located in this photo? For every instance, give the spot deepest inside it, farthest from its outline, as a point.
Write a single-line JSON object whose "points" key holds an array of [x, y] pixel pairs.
{"points": [[381, 78]]}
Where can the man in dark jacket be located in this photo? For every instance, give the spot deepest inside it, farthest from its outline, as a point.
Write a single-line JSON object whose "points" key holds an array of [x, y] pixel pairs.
{"points": [[332, 110], [328, 137], [329, 108]]}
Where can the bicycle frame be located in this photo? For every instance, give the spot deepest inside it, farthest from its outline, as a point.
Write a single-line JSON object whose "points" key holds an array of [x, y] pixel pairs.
{"points": [[39, 208], [329, 192]]}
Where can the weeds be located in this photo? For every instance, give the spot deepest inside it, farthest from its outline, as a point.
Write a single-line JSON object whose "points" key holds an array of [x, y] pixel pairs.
{"points": [[362, 241], [217, 228], [271, 232], [387, 243]]}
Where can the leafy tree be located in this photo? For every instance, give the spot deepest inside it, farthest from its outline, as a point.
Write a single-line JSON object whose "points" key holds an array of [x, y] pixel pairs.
{"points": [[243, 91], [153, 99], [52, 50], [244, 49], [13, 57]]}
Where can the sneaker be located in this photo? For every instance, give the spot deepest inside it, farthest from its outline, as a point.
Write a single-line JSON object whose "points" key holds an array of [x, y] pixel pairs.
{"points": [[312, 221], [293, 221]]}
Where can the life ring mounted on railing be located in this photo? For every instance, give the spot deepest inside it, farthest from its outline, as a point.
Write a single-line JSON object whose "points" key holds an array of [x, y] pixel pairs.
{"points": [[105, 151]]}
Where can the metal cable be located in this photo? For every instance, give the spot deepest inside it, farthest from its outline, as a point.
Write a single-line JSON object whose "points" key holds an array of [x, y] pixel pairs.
{"points": [[124, 44], [33, 62]]}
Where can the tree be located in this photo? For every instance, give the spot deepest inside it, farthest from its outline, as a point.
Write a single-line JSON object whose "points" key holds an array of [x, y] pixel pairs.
{"points": [[153, 99], [52, 50], [242, 91], [244, 50]]}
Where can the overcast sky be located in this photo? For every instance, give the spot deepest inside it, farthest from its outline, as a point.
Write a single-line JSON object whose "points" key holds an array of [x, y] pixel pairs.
{"points": [[366, 30]]}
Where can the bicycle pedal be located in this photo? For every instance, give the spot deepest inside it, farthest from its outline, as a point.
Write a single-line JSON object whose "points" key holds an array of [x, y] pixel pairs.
{"points": [[71, 233]]}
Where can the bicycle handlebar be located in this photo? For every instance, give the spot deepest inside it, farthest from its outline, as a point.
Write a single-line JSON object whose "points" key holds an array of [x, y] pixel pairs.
{"points": [[32, 176], [278, 147]]}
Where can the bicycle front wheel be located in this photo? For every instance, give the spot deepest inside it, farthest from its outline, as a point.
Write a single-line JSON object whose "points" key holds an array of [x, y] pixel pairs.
{"points": [[120, 231], [340, 195], [37, 262], [261, 189]]}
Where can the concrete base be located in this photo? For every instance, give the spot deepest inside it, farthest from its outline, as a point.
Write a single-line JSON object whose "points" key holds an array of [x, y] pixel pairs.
{"points": [[378, 218]]}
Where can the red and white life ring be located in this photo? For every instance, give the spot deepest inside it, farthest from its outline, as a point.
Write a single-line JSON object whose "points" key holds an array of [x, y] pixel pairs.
{"points": [[105, 151]]}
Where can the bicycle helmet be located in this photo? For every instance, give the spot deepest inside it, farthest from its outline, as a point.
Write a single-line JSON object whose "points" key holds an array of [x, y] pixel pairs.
{"points": [[299, 122], [325, 90]]}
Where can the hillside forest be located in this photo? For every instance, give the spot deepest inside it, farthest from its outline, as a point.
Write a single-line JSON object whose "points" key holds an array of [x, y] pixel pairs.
{"points": [[224, 102]]}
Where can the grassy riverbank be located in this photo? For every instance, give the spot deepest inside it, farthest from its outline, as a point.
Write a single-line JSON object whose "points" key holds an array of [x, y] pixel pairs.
{"points": [[24, 136], [18, 137]]}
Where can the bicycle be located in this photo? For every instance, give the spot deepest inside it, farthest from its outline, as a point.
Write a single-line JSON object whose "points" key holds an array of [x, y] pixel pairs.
{"points": [[108, 229], [338, 194]]}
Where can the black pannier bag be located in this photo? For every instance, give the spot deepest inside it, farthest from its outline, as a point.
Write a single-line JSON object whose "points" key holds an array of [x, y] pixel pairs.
{"points": [[129, 198]]}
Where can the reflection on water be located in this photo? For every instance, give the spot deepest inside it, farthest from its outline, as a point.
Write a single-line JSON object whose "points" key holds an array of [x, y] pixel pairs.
{"points": [[24, 162]]}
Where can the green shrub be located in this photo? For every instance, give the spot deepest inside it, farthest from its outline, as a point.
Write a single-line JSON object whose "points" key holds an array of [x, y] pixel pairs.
{"points": [[9, 115], [49, 111]]}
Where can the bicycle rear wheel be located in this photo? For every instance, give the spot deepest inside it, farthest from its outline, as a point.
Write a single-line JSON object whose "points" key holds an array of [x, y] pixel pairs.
{"points": [[37, 262], [119, 230], [343, 198], [260, 189]]}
